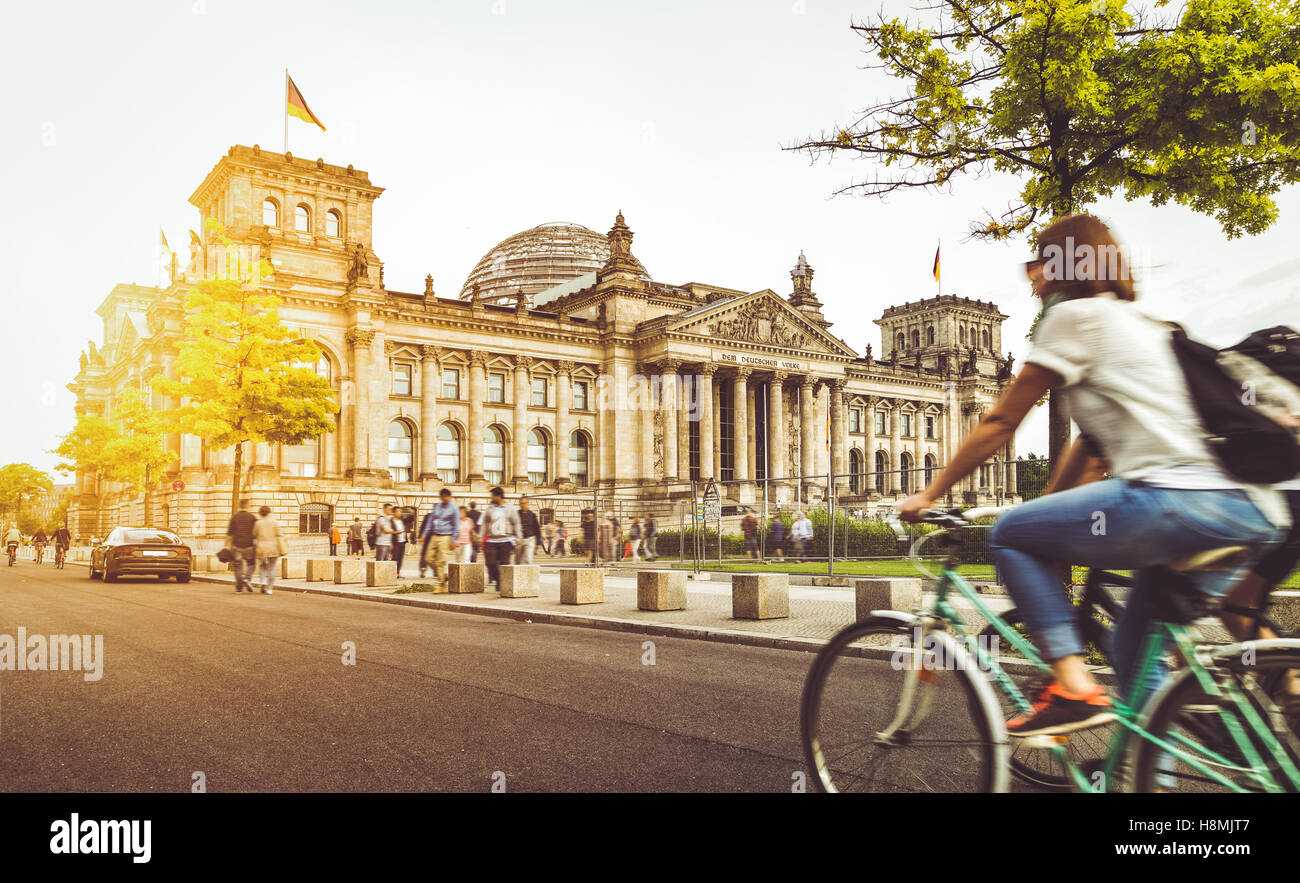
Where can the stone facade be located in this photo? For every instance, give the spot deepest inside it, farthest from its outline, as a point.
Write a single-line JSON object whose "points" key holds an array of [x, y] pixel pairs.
{"points": [[607, 380]]}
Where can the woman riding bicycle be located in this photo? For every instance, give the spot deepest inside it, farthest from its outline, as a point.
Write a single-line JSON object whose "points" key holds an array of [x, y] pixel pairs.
{"points": [[1168, 497]]}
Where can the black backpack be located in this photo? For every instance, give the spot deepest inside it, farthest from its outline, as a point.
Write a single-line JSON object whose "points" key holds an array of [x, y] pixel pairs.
{"points": [[1252, 446], [372, 534]]}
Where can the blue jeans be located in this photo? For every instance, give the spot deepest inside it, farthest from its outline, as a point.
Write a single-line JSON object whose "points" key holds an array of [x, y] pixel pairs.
{"points": [[1117, 524]]}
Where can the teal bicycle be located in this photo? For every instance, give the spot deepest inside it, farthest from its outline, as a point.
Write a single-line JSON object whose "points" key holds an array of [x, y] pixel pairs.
{"points": [[915, 702]]}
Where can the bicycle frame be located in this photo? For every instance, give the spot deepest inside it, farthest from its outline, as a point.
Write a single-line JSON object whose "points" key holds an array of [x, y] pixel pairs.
{"points": [[1131, 720]]}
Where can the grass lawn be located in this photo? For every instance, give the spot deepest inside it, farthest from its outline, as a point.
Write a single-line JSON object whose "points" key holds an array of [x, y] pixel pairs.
{"points": [[844, 568]]}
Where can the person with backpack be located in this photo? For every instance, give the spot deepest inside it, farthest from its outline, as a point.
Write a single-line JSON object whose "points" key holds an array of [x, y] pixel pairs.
{"points": [[1169, 496], [242, 545], [501, 533], [356, 538]]}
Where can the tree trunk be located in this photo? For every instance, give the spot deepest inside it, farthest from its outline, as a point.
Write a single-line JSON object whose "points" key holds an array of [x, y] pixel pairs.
{"points": [[148, 499], [1058, 429], [234, 481]]}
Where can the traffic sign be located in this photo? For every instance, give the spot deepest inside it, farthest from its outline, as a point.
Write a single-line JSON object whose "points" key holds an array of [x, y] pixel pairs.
{"points": [[178, 485], [712, 502], [699, 512]]}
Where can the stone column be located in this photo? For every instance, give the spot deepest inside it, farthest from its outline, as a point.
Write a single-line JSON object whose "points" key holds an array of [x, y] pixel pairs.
{"points": [[430, 380], [751, 444], [707, 414], [807, 429], [359, 339], [668, 407], [868, 481], [474, 432], [563, 401], [895, 446], [740, 439], [838, 457], [685, 390], [523, 391], [1012, 488], [776, 426]]}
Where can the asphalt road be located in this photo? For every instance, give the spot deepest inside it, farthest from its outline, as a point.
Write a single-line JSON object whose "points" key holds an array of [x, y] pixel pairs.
{"points": [[252, 691]]}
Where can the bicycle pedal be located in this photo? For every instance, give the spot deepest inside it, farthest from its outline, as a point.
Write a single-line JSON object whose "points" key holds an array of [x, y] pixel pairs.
{"points": [[1044, 741]]}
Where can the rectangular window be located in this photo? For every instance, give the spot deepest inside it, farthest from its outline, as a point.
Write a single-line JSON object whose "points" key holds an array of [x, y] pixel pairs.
{"points": [[539, 392], [907, 424], [929, 427], [880, 423], [855, 420], [302, 460], [496, 387], [580, 395], [401, 379], [450, 383]]}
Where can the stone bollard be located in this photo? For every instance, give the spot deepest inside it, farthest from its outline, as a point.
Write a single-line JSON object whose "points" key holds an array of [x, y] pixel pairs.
{"points": [[293, 567], [760, 595], [520, 580], [881, 593], [381, 573], [200, 561], [319, 570], [582, 585], [661, 590], [349, 570], [466, 579]]}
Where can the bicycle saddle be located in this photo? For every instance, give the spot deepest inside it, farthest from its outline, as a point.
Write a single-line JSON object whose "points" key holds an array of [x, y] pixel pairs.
{"points": [[1222, 558]]}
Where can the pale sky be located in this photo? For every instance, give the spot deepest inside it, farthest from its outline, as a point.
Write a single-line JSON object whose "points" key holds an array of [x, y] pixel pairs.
{"points": [[485, 118]]}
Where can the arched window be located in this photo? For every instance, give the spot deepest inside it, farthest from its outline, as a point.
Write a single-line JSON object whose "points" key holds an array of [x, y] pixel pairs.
{"points": [[974, 336], [448, 454], [333, 223], [302, 219], [916, 340], [905, 473], [303, 459], [494, 455], [880, 472], [929, 336], [930, 465], [537, 459], [855, 471], [988, 343], [400, 457], [270, 212], [961, 334], [315, 518], [578, 450], [902, 341]]}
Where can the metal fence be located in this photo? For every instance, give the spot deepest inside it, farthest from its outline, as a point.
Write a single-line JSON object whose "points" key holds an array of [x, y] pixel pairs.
{"points": [[848, 516]]}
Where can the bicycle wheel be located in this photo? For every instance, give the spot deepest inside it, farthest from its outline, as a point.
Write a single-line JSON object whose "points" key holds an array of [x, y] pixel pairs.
{"points": [[1040, 766], [880, 713], [1183, 712]]}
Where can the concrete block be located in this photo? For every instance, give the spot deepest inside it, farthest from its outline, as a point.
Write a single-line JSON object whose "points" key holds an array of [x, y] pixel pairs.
{"points": [[319, 569], [293, 567], [381, 573], [349, 570], [216, 564], [520, 580], [760, 595], [660, 590], [199, 561], [582, 585], [892, 593], [466, 579]]}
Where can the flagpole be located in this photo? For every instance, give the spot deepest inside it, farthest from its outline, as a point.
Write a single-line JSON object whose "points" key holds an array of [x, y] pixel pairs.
{"points": [[938, 265], [286, 110]]}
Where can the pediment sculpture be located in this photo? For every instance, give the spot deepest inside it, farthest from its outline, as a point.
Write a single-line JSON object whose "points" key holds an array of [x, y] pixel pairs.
{"points": [[764, 322]]}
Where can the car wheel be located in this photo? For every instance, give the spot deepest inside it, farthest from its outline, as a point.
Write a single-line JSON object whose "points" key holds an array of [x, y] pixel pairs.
{"points": [[109, 576]]}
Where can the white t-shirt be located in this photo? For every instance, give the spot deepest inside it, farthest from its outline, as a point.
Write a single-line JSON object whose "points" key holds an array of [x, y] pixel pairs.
{"points": [[1125, 389]]}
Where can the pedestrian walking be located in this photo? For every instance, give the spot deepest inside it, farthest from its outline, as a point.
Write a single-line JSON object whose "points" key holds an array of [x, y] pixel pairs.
{"points": [[439, 531], [651, 533], [475, 516], [590, 544], [335, 539], [270, 546], [466, 537], [749, 529], [239, 539], [548, 538], [559, 548], [634, 537], [356, 537], [501, 533], [532, 532], [383, 531], [400, 519], [801, 531], [776, 537], [616, 537]]}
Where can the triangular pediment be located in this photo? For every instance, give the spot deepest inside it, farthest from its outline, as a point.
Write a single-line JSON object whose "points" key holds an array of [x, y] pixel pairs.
{"points": [[763, 318]]}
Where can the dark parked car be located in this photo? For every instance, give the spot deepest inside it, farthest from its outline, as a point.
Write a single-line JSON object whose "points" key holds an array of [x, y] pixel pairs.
{"points": [[140, 551]]}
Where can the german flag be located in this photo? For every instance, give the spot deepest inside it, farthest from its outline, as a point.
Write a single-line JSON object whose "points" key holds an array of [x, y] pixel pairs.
{"points": [[936, 257], [296, 105]]}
